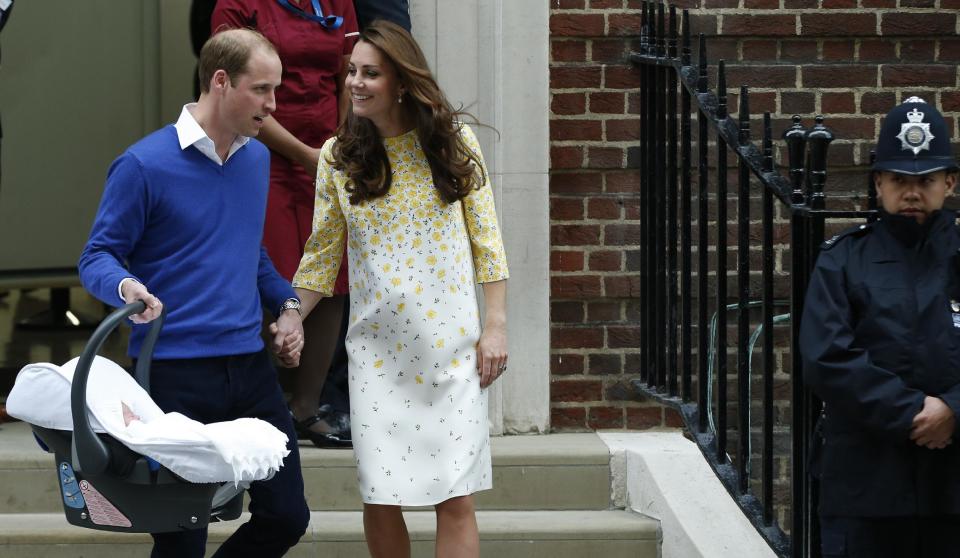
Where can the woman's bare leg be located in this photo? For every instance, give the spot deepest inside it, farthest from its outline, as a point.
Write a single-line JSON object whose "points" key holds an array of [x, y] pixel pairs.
{"points": [[385, 531], [321, 330], [457, 532]]}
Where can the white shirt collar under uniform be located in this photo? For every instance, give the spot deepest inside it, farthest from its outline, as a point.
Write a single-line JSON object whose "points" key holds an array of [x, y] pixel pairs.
{"points": [[190, 133]]}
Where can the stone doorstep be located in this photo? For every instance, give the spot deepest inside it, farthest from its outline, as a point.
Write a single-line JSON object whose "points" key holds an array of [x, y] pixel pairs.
{"points": [[506, 534], [527, 472]]}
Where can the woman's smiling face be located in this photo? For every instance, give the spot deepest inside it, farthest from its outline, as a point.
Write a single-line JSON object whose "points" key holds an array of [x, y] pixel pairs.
{"points": [[374, 87]]}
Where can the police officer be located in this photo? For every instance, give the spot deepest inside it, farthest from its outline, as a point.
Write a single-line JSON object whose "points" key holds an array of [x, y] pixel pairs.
{"points": [[880, 340]]}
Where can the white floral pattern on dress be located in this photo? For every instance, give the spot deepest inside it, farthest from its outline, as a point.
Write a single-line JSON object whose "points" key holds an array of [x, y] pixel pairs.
{"points": [[418, 414]]}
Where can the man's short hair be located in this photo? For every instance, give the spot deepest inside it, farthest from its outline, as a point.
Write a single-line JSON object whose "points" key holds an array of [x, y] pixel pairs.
{"points": [[229, 50]]}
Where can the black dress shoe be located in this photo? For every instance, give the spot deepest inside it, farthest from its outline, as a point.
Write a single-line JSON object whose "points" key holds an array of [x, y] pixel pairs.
{"points": [[338, 435]]}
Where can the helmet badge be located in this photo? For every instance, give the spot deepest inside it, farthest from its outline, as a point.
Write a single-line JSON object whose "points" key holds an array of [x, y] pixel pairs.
{"points": [[915, 134]]}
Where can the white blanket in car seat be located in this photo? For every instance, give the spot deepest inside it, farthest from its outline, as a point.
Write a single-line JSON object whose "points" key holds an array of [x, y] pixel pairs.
{"points": [[241, 450]]}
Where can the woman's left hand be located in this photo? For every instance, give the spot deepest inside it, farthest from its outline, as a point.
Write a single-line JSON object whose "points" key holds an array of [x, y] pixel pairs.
{"points": [[491, 354]]}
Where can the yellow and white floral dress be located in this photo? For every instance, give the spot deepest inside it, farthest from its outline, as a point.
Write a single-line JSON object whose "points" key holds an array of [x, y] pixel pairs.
{"points": [[418, 415]]}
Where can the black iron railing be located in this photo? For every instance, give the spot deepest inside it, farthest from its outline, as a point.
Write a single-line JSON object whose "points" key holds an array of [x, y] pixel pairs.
{"points": [[672, 91]]}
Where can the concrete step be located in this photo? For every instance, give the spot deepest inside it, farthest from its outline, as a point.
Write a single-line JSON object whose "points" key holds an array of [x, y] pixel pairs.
{"points": [[549, 472], [332, 534]]}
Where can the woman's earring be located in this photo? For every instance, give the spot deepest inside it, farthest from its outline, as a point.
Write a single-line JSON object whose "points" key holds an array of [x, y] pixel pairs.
{"points": [[400, 98]]}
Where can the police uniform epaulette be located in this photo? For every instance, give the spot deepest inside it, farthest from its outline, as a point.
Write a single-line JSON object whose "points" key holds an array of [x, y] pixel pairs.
{"points": [[859, 230]]}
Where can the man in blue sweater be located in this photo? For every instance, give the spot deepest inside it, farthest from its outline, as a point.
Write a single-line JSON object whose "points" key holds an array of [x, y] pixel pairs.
{"points": [[180, 226]]}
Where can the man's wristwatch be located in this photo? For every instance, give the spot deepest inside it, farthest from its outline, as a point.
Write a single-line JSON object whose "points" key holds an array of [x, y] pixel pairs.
{"points": [[290, 304]]}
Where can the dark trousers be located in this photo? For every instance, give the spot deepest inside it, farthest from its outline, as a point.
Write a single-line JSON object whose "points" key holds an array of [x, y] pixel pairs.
{"points": [[225, 388], [890, 537]]}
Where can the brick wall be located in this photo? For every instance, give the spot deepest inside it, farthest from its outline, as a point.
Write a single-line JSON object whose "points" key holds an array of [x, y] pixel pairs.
{"points": [[850, 60]]}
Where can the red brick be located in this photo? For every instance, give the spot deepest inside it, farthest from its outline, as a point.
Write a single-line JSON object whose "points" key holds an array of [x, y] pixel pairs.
{"points": [[672, 418], [918, 3], [602, 312], [575, 390], [607, 102], [877, 51], [568, 130], [838, 51], [605, 364], [568, 418], [834, 76], [610, 51], [605, 261], [621, 77], [950, 4], [838, 4], [569, 103], [756, 25], [576, 25], [852, 128], [838, 25], [879, 3], [576, 337], [950, 101], [574, 77], [797, 102], [624, 286], [566, 364], [605, 417], [631, 209], [709, 4], [762, 76], [566, 311], [874, 102], [761, 4], [950, 48], [760, 51], [908, 75], [927, 25], [605, 4], [566, 209], [644, 418], [566, 157], [575, 286], [620, 25], [604, 157], [574, 235], [702, 23], [837, 103], [800, 4], [566, 260], [621, 235], [913, 50], [626, 181], [721, 49], [568, 51], [575, 183], [567, 4], [623, 130], [623, 336], [764, 101], [803, 50], [603, 208]]}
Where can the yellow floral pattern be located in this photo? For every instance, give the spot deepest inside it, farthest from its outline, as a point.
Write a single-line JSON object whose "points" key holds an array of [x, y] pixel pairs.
{"points": [[419, 416]]}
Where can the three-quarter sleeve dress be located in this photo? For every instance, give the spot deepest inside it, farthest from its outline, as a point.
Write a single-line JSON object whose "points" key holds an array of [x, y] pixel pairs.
{"points": [[418, 414]]}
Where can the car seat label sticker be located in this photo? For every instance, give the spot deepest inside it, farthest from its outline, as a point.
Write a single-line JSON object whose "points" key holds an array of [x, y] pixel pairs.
{"points": [[102, 512], [72, 498]]}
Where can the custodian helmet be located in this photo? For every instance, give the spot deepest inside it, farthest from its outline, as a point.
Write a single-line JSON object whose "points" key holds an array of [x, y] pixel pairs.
{"points": [[914, 139]]}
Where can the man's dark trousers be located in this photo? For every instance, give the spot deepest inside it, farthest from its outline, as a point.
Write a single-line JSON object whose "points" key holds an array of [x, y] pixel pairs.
{"points": [[225, 388], [890, 537]]}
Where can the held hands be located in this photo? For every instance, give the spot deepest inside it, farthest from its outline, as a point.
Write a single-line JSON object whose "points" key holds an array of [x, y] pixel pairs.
{"points": [[288, 340], [491, 353], [934, 424], [133, 291]]}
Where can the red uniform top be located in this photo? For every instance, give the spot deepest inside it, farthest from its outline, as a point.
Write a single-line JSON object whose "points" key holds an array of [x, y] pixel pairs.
{"points": [[307, 106]]}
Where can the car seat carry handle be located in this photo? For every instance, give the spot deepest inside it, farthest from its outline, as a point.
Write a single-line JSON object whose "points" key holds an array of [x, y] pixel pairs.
{"points": [[90, 454]]}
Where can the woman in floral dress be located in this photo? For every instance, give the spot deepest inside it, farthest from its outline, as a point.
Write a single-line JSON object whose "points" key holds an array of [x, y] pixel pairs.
{"points": [[407, 181]]}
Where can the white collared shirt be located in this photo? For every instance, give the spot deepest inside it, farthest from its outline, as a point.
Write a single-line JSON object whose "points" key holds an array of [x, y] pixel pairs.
{"points": [[190, 133]]}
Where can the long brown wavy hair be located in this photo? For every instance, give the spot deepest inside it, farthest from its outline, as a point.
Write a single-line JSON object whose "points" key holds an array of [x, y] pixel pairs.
{"points": [[359, 150]]}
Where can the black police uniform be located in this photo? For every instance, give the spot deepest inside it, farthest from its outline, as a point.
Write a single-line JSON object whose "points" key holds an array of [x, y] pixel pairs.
{"points": [[880, 331]]}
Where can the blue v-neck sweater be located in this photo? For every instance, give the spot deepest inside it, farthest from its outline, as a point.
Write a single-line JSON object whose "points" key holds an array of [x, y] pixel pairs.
{"points": [[191, 231]]}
